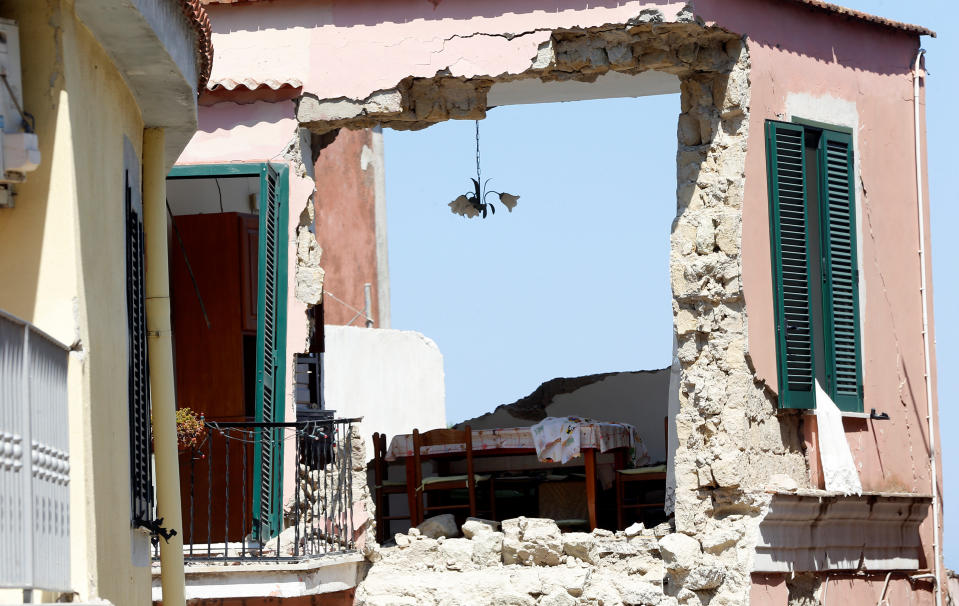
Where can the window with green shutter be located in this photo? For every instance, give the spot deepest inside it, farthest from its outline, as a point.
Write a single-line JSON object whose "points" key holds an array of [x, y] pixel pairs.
{"points": [[815, 271], [271, 345], [270, 349]]}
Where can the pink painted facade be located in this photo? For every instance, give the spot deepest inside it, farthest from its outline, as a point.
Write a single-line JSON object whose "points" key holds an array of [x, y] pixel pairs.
{"points": [[805, 62]]}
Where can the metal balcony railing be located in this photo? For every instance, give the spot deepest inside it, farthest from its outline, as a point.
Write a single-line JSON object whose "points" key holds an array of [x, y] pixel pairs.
{"points": [[34, 459], [239, 503]]}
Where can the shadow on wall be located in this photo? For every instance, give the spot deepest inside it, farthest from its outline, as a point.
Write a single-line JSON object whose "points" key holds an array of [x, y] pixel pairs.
{"points": [[639, 398], [851, 41]]}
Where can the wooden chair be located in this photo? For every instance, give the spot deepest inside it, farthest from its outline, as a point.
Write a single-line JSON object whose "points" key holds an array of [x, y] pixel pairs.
{"points": [[383, 488], [422, 486], [651, 474]]}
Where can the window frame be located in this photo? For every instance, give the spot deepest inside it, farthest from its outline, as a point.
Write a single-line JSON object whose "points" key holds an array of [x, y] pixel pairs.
{"points": [[823, 323]]}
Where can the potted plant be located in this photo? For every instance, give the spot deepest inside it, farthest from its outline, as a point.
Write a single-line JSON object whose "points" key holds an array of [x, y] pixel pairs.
{"points": [[190, 430]]}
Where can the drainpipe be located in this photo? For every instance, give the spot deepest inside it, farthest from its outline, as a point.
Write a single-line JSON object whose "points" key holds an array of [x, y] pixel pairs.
{"points": [[161, 365], [930, 418]]}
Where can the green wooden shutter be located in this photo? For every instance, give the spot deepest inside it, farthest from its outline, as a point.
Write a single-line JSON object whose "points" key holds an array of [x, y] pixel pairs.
{"points": [[840, 271], [271, 348], [138, 378], [785, 151]]}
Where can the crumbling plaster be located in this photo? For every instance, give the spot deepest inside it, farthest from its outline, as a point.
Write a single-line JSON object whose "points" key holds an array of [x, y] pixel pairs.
{"points": [[731, 440]]}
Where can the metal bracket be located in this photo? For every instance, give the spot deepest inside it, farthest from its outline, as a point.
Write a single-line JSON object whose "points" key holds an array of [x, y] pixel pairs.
{"points": [[878, 416], [156, 530]]}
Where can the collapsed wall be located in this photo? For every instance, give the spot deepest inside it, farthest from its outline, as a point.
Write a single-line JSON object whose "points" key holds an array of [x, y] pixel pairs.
{"points": [[726, 436], [529, 561]]}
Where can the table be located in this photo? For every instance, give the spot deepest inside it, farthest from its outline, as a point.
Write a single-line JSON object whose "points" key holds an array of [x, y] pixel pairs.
{"points": [[594, 436]]}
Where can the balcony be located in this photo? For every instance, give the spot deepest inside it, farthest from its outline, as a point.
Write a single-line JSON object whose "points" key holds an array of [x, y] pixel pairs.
{"points": [[268, 509], [34, 459]]}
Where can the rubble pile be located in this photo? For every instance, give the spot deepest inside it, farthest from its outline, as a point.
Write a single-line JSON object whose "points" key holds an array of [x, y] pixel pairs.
{"points": [[528, 561]]}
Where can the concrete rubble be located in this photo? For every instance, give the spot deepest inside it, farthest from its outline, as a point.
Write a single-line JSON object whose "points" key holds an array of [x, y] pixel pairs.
{"points": [[531, 562]]}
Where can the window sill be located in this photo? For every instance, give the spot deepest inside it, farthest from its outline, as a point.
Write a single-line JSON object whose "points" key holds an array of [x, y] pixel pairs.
{"points": [[845, 415]]}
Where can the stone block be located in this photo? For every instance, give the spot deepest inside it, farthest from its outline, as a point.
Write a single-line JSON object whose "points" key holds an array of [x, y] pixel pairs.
{"points": [[706, 576], [601, 589], [439, 526], [635, 529], [728, 469], [526, 581], [557, 597], [638, 593], [680, 551], [532, 542], [488, 548], [458, 553], [577, 544], [475, 526], [540, 529], [719, 539]]}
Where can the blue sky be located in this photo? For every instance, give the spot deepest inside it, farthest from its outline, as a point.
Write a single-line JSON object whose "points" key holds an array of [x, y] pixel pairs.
{"points": [[575, 280]]}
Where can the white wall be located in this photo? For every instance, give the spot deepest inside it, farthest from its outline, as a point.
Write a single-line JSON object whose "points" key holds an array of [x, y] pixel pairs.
{"points": [[639, 398], [392, 378]]}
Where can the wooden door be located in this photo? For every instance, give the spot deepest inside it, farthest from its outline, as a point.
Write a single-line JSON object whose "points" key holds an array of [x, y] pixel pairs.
{"points": [[210, 371]]}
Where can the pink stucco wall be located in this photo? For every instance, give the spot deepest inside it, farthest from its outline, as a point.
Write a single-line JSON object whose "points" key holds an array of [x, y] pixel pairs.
{"points": [[771, 590], [795, 51], [363, 46]]}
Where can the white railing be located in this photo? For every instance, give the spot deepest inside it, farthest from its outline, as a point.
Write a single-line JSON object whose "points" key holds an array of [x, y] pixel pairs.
{"points": [[34, 459]]}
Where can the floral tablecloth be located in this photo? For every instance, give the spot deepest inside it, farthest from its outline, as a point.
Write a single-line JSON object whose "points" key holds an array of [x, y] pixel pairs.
{"points": [[600, 435]]}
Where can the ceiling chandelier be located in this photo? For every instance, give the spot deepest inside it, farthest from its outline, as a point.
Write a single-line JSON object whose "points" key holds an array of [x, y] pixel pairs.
{"points": [[473, 203]]}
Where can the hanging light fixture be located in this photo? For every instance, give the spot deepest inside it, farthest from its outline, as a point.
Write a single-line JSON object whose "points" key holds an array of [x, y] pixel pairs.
{"points": [[473, 203]]}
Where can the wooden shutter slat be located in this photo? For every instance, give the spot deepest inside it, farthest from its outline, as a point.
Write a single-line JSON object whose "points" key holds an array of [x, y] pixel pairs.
{"points": [[141, 473], [841, 292], [789, 221], [271, 335]]}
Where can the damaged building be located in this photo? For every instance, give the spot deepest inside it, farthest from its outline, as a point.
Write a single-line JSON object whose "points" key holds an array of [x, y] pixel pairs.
{"points": [[791, 221], [796, 427]]}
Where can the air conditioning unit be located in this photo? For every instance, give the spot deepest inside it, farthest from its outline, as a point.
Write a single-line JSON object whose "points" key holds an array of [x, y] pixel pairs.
{"points": [[19, 152]]}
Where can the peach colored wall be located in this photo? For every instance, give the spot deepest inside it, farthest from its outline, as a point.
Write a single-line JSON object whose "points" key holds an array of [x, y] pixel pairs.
{"points": [[771, 590], [346, 225]]}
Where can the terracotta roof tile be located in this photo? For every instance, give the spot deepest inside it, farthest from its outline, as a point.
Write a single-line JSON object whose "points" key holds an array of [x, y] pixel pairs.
{"points": [[196, 14], [251, 84], [882, 21]]}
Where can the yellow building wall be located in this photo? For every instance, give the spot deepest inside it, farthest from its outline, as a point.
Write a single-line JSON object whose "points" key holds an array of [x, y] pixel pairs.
{"points": [[62, 267]]}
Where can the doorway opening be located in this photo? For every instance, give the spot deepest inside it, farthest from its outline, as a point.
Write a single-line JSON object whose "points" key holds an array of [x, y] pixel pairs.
{"points": [[227, 254]]}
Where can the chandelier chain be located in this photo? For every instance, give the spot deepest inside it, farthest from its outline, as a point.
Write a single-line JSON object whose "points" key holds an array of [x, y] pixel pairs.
{"points": [[478, 179]]}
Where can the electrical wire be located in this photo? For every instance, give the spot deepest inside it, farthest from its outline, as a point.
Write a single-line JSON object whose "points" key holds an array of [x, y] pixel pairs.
{"points": [[196, 287], [27, 126], [350, 307], [219, 191]]}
